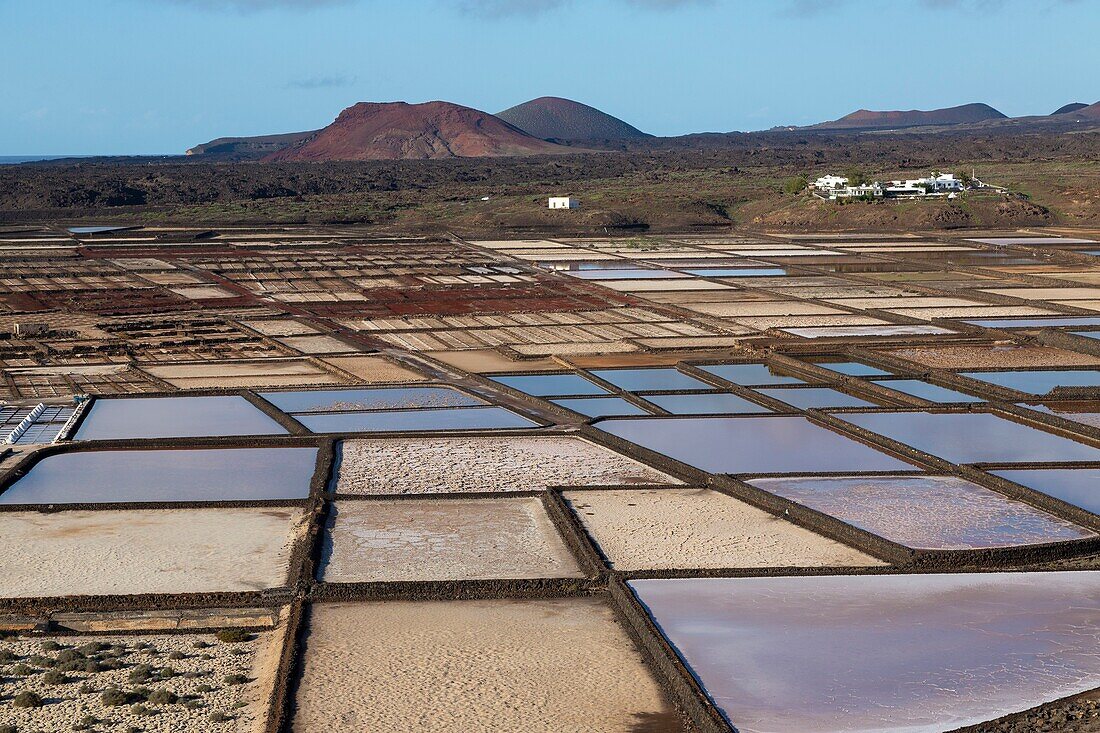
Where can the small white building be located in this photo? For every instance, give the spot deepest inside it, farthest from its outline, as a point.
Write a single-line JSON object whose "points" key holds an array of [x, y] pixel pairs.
{"points": [[564, 202], [831, 182]]}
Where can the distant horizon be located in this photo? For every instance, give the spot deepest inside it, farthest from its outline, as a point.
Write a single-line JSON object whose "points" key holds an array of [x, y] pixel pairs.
{"points": [[668, 67]]}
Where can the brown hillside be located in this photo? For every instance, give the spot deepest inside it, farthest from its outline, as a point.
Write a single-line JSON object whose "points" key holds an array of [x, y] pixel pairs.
{"points": [[400, 131], [866, 119]]}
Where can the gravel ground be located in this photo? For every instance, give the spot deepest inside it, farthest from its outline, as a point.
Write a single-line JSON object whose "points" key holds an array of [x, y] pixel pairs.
{"points": [[220, 686]]}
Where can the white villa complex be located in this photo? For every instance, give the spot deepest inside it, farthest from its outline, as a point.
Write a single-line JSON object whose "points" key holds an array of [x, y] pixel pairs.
{"points": [[937, 184]]}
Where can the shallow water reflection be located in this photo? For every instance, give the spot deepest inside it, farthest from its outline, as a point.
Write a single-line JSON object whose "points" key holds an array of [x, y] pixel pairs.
{"points": [[233, 474], [752, 444], [892, 654], [927, 512], [973, 437], [175, 417]]}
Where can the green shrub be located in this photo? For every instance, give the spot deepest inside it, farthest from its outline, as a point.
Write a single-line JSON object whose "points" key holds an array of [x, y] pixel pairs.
{"points": [[7, 655], [22, 670], [49, 645], [233, 635], [68, 655], [93, 647], [91, 666], [235, 679], [219, 717], [113, 697], [8, 729], [142, 710], [796, 184], [200, 644], [177, 655], [27, 699], [204, 688], [162, 697], [141, 673], [55, 677]]}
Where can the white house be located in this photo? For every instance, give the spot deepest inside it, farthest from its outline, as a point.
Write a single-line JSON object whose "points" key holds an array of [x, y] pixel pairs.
{"points": [[869, 190], [564, 202], [936, 183], [831, 182]]}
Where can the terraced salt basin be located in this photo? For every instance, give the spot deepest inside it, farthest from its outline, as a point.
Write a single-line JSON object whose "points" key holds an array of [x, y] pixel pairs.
{"points": [[232, 474], [764, 444], [665, 529], [549, 385], [1086, 413], [927, 391], [384, 398], [600, 406], [927, 512], [513, 666], [973, 437], [175, 417], [891, 654], [710, 403], [146, 551], [482, 464], [443, 539], [814, 397], [1077, 486], [458, 418], [750, 374], [1037, 381], [650, 380]]}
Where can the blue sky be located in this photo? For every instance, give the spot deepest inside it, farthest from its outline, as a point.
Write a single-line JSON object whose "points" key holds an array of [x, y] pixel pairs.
{"points": [[157, 76]]}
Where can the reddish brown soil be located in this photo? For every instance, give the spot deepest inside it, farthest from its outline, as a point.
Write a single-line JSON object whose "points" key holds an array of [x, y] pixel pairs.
{"points": [[401, 131]]}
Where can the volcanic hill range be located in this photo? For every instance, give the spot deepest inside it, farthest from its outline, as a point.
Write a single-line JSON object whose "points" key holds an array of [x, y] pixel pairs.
{"points": [[551, 125], [869, 119]]}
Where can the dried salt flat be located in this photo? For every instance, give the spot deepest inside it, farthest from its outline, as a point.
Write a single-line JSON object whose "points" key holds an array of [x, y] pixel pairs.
{"points": [[1047, 293], [661, 529], [519, 244], [462, 465], [513, 666], [319, 344], [145, 551], [928, 314], [763, 308], [643, 286], [244, 373], [860, 331], [443, 539], [204, 292], [1032, 240]]}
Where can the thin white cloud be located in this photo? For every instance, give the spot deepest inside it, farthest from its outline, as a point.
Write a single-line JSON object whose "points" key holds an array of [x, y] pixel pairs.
{"points": [[322, 82]]}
